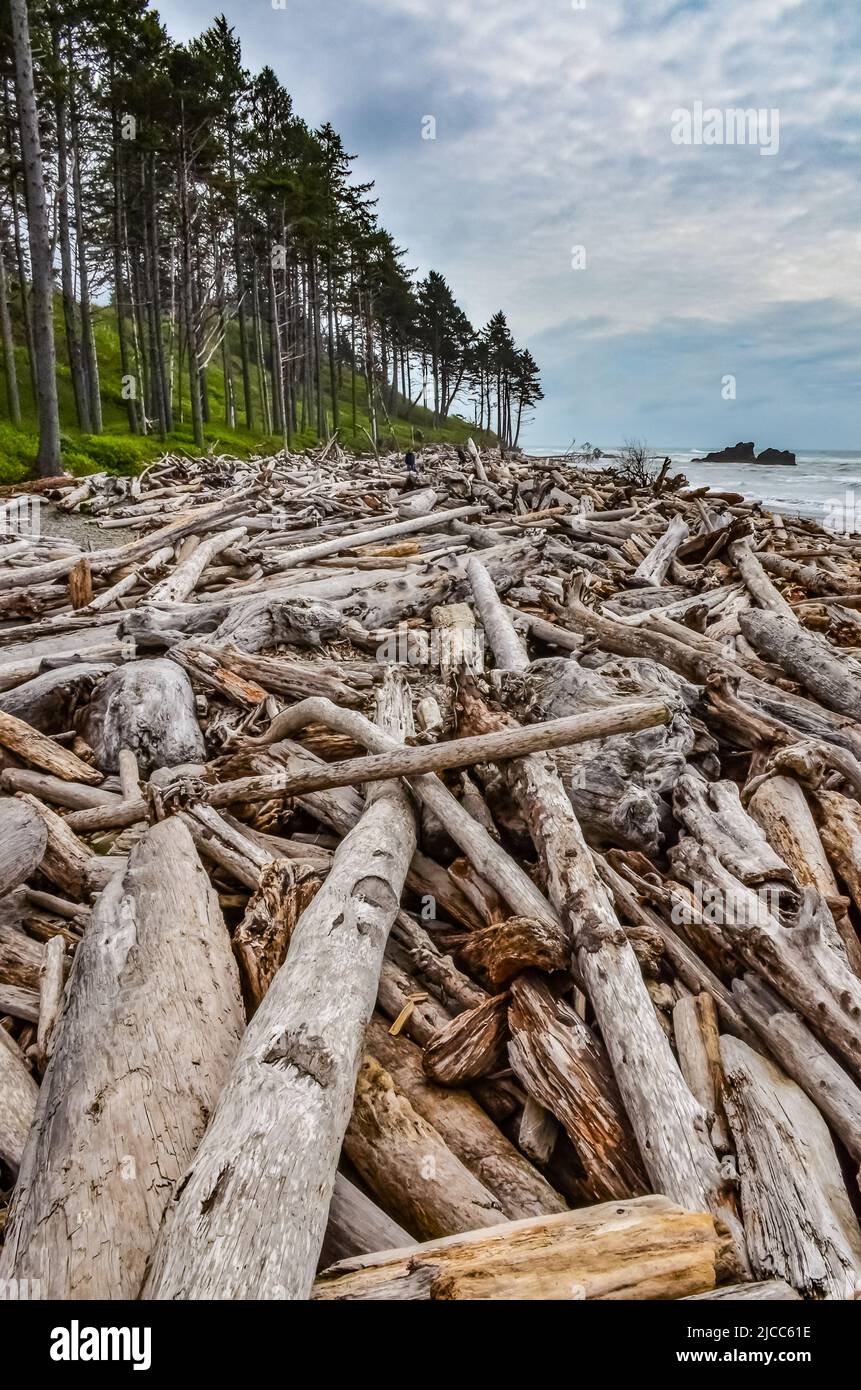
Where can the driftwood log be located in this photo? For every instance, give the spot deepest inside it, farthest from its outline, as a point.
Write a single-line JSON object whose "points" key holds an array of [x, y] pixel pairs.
{"points": [[135, 1070], [457, 877]]}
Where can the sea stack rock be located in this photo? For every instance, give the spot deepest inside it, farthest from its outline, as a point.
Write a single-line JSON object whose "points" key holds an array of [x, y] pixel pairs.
{"points": [[736, 453], [781, 456]]}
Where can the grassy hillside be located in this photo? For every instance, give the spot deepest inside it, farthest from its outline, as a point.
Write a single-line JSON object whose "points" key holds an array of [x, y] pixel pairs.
{"points": [[120, 452]]}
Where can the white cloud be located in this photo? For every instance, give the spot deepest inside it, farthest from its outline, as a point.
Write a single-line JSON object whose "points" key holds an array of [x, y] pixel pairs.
{"points": [[554, 130]]}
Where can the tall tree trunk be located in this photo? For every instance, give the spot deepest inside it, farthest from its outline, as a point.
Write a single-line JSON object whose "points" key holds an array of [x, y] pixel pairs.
{"points": [[353, 364], [141, 338], [26, 316], [275, 349], [239, 271], [322, 430], [48, 458], [157, 404], [333, 375], [13, 401], [160, 363], [188, 293], [369, 369], [223, 322], [73, 342], [258, 344], [91, 361], [132, 409], [198, 299]]}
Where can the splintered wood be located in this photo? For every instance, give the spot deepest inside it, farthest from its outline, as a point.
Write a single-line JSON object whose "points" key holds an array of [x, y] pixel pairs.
{"points": [[437, 886]]}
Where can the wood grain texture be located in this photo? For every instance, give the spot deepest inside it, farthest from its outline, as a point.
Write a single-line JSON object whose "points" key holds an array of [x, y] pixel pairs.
{"points": [[150, 1025]]}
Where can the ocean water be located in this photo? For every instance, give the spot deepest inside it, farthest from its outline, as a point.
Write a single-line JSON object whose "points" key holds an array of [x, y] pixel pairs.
{"points": [[823, 485]]}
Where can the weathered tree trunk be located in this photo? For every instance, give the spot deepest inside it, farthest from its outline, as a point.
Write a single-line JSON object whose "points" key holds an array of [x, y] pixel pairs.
{"points": [[760, 587], [465, 1128], [653, 570], [35, 748], [182, 581], [357, 1226], [780, 807], [13, 399], [646, 1248], [136, 1068], [147, 706], [712, 812], [806, 963], [804, 1059], [561, 1065], [281, 1119], [18, 1097], [670, 1126], [42, 297], [797, 1217], [406, 1162], [23, 841], [831, 675]]}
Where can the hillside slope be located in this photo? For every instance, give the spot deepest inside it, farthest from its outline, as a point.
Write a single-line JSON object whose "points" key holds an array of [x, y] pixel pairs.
{"points": [[119, 451]]}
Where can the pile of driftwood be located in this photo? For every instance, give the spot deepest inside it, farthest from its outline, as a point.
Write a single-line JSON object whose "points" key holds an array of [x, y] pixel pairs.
{"points": [[438, 886]]}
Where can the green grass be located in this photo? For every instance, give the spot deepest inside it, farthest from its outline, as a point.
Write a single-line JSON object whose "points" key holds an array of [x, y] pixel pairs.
{"points": [[118, 451]]}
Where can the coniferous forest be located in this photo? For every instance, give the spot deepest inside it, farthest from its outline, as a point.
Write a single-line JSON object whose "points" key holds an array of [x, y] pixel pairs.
{"points": [[182, 256]]}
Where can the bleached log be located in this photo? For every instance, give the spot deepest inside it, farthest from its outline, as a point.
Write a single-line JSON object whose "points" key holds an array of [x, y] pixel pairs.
{"points": [[52, 980], [398, 761], [49, 700], [840, 834], [829, 674], [698, 1046], [646, 1248], [23, 841], [653, 570], [758, 584], [183, 580], [712, 812], [670, 1126], [280, 1121], [105, 560], [357, 1226], [806, 964], [108, 597], [491, 861], [506, 646], [781, 808], [687, 964], [406, 1162], [304, 554], [18, 1096], [19, 1002], [67, 861], [279, 674], [341, 808], [767, 1291], [465, 1128], [136, 1067], [803, 1058], [148, 707], [797, 1216], [394, 761]]}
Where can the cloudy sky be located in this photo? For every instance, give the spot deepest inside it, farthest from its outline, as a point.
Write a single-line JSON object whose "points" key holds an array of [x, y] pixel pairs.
{"points": [[554, 126]]}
